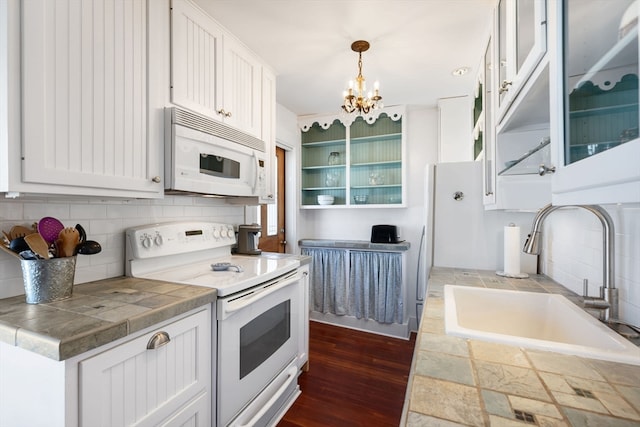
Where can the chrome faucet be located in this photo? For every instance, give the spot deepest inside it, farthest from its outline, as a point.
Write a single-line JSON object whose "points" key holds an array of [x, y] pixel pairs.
{"points": [[608, 293]]}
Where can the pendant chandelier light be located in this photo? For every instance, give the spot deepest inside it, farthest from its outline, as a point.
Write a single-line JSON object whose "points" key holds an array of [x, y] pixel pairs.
{"points": [[355, 100]]}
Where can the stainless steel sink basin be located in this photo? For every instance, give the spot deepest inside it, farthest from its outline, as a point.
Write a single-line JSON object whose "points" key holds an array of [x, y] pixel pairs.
{"points": [[532, 320]]}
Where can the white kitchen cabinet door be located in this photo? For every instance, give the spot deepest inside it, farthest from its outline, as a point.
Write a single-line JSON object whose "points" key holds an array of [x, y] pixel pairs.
{"points": [[84, 98], [521, 38], [212, 72], [196, 60], [133, 385], [269, 133], [242, 88]]}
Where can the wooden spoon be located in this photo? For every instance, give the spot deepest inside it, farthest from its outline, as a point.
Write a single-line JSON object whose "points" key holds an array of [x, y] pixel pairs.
{"points": [[37, 245], [67, 241]]}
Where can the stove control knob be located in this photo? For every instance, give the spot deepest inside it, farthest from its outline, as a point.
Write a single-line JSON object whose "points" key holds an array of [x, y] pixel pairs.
{"points": [[216, 233], [158, 240], [147, 242], [230, 233]]}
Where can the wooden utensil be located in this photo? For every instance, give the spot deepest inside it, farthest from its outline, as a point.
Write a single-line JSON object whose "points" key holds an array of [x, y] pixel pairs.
{"points": [[9, 251], [67, 241], [19, 231], [37, 245]]}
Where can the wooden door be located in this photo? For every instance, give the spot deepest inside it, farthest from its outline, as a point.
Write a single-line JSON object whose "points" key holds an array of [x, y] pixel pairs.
{"points": [[276, 241]]}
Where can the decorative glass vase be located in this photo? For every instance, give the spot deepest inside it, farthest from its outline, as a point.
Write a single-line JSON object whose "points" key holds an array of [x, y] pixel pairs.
{"points": [[334, 158]]}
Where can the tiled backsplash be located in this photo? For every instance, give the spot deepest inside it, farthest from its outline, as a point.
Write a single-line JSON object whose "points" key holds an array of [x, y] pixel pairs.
{"points": [[105, 221], [572, 249]]}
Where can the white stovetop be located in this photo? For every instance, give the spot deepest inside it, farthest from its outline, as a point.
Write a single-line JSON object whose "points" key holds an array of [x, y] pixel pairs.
{"points": [[184, 252], [256, 269]]}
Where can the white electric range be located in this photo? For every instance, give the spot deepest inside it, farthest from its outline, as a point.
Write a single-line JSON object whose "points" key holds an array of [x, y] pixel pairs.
{"points": [[258, 312]]}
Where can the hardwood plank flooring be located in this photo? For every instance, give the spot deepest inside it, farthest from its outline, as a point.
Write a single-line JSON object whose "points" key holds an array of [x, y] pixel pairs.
{"points": [[355, 379]]}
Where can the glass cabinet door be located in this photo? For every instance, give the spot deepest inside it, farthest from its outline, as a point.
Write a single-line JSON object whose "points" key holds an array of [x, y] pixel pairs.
{"points": [[323, 164], [601, 76], [376, 161], [521, 44]]}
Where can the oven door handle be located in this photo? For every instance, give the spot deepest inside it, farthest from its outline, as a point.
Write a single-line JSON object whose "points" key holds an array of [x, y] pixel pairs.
{"points": [[240, 303], [292, 374]]}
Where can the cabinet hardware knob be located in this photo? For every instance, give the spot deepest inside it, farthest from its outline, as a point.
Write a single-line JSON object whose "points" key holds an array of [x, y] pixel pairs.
{"points": [[156, 179], [158, 340], [542, 170], [504, 86], [224, 113], [458, 195]]}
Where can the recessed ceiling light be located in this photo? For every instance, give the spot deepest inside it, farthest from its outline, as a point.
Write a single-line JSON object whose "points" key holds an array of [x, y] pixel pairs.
{"points": [[460, 71]]}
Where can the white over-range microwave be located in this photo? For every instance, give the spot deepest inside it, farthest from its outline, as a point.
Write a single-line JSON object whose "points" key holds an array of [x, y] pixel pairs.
{"points": [[204, 156]]}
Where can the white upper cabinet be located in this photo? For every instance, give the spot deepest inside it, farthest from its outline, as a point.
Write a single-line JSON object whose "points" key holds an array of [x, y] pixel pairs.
{"points": [[212, 72], [84, 106], [359, 161], [594, 87], [196, 60], [242, 80], [516, 108], [521, 43]]}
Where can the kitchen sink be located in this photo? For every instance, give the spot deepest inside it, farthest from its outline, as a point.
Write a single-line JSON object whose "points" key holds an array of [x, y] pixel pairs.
{"points": [[540, 321]]}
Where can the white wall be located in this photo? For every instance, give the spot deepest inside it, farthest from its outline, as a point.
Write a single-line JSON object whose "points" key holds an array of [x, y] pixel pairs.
{"points": [[465, 234], [454, 129], [572, 251], [105, 221]]}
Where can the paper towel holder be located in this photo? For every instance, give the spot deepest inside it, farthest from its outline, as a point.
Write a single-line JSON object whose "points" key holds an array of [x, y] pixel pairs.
{"points": [[512, 274]]}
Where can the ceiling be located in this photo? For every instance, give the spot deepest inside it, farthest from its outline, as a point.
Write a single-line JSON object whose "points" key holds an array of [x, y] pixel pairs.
{"points": [[415, 46]]}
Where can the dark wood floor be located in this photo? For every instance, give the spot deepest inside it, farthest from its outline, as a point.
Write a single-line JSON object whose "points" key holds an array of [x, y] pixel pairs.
{"points": [[354, 379]]}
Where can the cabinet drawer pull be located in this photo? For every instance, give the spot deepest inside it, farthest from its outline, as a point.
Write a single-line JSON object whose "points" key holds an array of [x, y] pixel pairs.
{"points": [[158, 340]]}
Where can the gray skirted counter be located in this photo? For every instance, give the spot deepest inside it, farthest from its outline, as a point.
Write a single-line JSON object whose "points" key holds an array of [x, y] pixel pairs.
{"points": [[358, 284]]}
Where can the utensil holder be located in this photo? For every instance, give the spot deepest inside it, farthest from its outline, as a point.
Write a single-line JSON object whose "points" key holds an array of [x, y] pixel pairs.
{"points": [[48, 280]]}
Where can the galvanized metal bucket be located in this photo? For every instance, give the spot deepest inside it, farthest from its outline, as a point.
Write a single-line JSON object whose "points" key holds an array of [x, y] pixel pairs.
{"points": [[48, 280]]}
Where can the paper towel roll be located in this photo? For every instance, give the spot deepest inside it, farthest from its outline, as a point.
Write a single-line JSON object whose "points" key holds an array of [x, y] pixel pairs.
{"points": [[512, 250]]}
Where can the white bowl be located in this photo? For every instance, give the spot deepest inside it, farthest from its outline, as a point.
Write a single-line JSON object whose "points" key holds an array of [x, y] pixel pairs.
{"points": [[324, 199]]}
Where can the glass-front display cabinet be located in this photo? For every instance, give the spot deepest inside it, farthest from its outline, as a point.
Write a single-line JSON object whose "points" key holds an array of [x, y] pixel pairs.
{"points": [[353, 162], [601, 72], [600, 149], [324, 151]]}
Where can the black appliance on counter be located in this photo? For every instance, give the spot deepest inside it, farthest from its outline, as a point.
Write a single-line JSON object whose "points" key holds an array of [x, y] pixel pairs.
{"points": [[384, 234]]}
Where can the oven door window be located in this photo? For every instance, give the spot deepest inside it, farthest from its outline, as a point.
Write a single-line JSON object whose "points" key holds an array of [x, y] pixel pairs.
{"points": [[219, 166], [263, 336]]}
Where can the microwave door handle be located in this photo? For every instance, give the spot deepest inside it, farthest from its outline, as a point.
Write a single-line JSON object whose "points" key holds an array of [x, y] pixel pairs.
{"points": [[243, 302], [256, 167]]}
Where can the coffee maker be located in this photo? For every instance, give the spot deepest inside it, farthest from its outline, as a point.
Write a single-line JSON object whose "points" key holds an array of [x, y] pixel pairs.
{"points": [[248, 235]]}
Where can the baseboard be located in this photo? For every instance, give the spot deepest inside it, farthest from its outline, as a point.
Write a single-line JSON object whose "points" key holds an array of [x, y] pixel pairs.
{"points": [[396, 330]]}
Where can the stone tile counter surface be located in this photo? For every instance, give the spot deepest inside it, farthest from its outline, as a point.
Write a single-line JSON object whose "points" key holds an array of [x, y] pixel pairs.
{"points": [[97, 313], [466, 382], [354, 244]]}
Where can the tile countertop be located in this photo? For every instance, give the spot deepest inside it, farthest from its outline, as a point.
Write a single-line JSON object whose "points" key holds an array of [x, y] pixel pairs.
{"points": [[465, 382], [96, 314]]}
